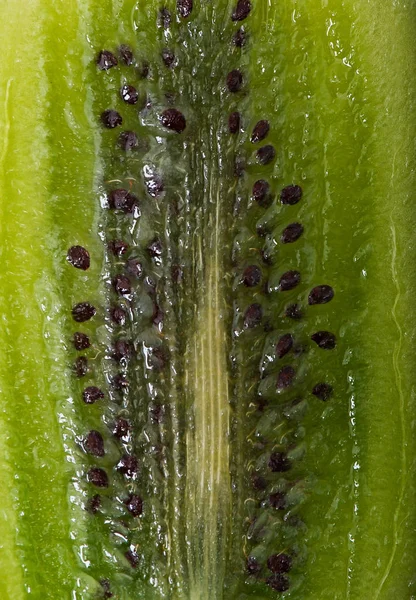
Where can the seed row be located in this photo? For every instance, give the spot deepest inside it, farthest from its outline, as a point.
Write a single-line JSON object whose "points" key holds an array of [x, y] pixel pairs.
{"points": [[280, 460]]}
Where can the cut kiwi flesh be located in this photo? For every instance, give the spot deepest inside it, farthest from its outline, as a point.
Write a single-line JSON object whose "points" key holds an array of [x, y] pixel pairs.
{"points": [[207, 286]]}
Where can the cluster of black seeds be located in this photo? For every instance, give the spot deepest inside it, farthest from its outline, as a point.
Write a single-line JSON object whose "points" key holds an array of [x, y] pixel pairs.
{"points": [[124, 203], [279, 565], [185, 8], [129, 273], [171, 118], [254, 280], [242, 10], [79, 257]]}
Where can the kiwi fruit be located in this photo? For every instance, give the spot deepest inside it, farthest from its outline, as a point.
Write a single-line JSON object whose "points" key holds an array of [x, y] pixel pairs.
{"points": [[207, 287]]}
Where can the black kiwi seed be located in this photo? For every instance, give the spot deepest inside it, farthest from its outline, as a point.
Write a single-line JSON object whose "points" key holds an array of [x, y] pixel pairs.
{"points": [[155, 248], [285, 377], [168, 58], [242, 10], [291, 233], [279, 563], [81, 366], [289, 280], [118, 315], [261, 193], [128, 465], [252, 566], [129, 94], [284, 345], [293, 311], [157, 413], [134, 267], [121, 350], [234, 121], [253, 316], [266, 154], [323, 391], [79, 257], [121, 428], [121, 199], [120, 382], [98, 477], [81, 341], [321, 294], [279, 462], [111, 118], [132, 556], [91, 394], [122, 285], [278, 582], [324, 339], [252, 276], [260, 131], [105, 584], [240, 38], [134, 505], [126, 54], [291, 194], [165, 18], [128, 140], [278, 500], [184, 7], [106, 60], [234, 80], [118, 247], [84, 311], [94, 443], [94, 504], [173, 119]]}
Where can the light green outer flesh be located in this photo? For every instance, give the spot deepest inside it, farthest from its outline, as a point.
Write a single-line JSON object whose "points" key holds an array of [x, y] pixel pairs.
{"points": [[381, 387], [35, 342], [387, 492], [29, 495]]}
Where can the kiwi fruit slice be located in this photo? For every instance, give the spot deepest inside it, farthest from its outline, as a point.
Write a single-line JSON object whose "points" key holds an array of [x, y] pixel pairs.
{"points": [[207, 287]]}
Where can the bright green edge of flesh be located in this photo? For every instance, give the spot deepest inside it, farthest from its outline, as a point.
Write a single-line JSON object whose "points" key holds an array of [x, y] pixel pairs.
{"points": [[336, 81]]}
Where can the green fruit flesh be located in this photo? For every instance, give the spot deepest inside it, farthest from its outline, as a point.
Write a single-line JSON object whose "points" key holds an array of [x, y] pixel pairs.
{"points": [[208, 411]]}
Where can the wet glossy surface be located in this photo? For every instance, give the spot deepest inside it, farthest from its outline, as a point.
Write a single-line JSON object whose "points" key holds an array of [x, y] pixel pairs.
{"points": [[207, 451]]}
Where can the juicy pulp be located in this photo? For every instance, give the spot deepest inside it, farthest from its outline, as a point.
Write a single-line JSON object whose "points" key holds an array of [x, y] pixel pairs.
{"points": [[336, 82]]}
